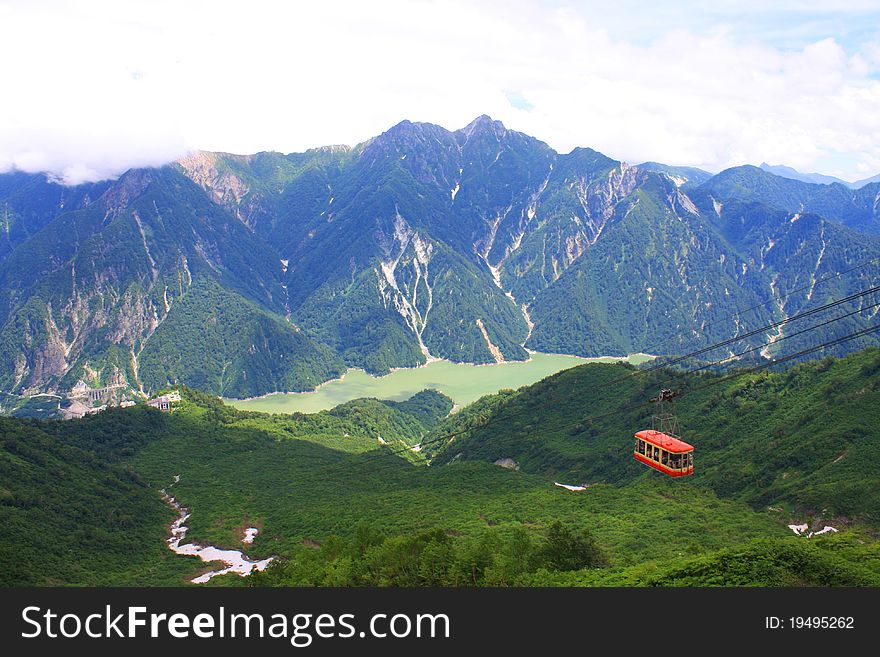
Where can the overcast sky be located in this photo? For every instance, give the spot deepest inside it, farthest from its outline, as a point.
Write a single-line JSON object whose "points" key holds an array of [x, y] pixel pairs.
{"points": [[90, 89]]}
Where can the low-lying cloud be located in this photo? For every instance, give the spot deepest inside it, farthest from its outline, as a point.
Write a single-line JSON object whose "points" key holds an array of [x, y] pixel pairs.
{"points": [[93, 89]]}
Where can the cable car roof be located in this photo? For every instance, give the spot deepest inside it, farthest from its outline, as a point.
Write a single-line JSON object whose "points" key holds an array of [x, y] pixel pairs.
{"points": [[667, 442]]}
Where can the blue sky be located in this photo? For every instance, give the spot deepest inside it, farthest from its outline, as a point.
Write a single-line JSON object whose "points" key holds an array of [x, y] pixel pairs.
{"points": [[97, 86], [783, 24]]}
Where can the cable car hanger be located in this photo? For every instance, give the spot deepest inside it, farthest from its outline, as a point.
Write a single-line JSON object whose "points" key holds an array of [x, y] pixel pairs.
{"points": [[659, 447]]}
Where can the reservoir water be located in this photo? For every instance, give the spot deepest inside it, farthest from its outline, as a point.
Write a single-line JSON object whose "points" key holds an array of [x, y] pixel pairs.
{"points": [[463, 382]]}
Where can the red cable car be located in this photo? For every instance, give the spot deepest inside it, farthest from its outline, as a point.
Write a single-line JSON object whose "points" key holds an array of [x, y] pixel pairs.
{"points": [[658, 446], [666, 454]]}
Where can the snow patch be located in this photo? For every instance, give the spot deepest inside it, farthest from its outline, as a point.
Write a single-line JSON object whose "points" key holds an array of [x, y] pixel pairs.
{"points": [[454, 190], [780, 330], [284, 264], [249, 534], [827, 530], [569, 486], [496, 275], [801, 530], [234, 560]]}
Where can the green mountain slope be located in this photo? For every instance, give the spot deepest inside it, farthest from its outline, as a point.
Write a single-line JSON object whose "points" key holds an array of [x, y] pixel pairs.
{"points": [[803, 439], [857, 208], [29, 202], [771, 563], [221, 343], [84, 297], [74, 511], [337, 507], [72, 514], [686, 177]]}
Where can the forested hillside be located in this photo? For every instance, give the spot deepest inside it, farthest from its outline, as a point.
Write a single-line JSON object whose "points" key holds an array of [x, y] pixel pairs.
{"points": [[803, 438], [346, 497]]}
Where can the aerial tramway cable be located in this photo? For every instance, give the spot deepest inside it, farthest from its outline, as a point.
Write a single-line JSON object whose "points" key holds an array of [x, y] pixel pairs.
{"points": [[742, 372], [678, 359], [667, 363]]}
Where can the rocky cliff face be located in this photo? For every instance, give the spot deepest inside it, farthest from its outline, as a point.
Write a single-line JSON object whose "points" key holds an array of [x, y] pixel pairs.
{"points": [[211, 172], [103, 280]]}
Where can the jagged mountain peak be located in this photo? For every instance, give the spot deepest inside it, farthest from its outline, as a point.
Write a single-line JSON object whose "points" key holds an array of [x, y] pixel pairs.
{"points": [[200, 156], [127, 187], [484, 124], [587, 158], [407, 128], [404, 137]]}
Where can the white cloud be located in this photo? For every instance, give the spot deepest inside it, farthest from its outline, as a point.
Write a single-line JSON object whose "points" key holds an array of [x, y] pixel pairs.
{"points": [[93, 88]]}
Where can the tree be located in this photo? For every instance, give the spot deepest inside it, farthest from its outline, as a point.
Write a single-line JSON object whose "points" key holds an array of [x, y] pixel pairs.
{"points": [[564, 549]]}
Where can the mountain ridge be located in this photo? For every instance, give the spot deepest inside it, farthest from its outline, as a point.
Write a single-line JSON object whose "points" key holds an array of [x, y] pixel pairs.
{"points": [[473, 245]]}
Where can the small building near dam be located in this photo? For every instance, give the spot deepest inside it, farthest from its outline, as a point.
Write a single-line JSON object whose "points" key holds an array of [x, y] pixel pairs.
{"points": [[164, 402]]}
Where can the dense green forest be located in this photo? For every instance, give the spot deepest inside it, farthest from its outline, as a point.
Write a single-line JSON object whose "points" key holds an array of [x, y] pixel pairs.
{"points": [[221, 343], [804, 438], [72, 513], [346, 497]]}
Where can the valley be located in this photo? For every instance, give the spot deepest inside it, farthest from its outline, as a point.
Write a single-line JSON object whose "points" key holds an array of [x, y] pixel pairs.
{"points": [[464, 383], [403, 493], [419, 361]]}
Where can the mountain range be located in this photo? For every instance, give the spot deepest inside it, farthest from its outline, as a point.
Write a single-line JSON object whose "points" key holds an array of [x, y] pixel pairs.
{"points": [[243, 275], [818, 178]]}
